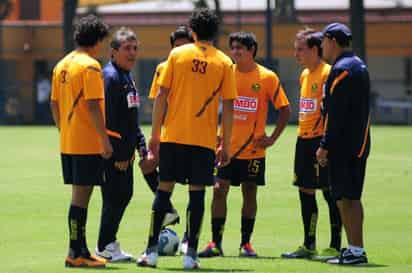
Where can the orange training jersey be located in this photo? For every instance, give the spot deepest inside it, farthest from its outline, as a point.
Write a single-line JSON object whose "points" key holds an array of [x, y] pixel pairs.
{"points": [[311, 93], [255, 90], [76, 79], [197, 75], [154, 89]]}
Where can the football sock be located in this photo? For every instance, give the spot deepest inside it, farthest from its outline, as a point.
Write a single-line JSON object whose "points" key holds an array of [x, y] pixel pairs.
{"points": [[246, 229], [218, 226], [152, 180], [335, 221], [77, 230], [356, 250], [309, 210], [195, 211], [158, 213]]}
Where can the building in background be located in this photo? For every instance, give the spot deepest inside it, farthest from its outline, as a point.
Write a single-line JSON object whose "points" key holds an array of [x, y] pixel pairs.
{"points": [[31, 41]]}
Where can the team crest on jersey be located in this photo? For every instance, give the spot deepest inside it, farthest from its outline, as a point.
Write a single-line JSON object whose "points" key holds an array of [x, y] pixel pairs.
{"points": [[245, 104], [133, 99], [307, 105], [255, 87], [314, 87]]}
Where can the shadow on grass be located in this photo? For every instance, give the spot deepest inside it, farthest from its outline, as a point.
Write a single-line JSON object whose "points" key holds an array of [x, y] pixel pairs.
{"points": [[252, 258], [210, 270]]}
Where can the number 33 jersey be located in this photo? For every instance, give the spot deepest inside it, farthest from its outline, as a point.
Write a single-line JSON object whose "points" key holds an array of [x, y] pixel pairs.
{"points": [[197, 75]]}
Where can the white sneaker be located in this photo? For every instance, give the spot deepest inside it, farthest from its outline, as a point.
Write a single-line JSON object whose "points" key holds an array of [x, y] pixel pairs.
{"points": [[171, 218], [183, 247], [190, 263], [113, 253], [148, 259]]}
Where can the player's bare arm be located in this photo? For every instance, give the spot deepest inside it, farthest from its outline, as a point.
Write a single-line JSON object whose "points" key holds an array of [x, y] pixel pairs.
{"points": [[159, 110], [283, 118], [98, 121]]}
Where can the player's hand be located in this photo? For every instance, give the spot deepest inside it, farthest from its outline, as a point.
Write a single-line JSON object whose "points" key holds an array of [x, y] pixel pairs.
{"points": [[222, 156], [121, 165], [264, 141], [148, 164], [107, 149], [154, 145], [322, 156]]}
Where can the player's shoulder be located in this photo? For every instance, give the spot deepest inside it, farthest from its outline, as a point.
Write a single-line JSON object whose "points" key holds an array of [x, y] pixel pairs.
{"points": [[161, 66], [305, 72], [224, 58], [110, 72], [349, 62], [266, 73]]}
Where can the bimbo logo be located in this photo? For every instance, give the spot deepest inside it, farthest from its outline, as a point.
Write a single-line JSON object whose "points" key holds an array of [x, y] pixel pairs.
{"points": [[307, 105], [245, 104], [133, 99]]}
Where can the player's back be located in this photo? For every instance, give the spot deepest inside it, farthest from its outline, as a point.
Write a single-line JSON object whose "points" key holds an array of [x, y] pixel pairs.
{"points": [[76, 78], [197, 74]]}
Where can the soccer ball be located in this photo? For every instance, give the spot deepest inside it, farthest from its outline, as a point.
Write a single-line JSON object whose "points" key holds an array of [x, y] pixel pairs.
{"points": [[168, 242]]}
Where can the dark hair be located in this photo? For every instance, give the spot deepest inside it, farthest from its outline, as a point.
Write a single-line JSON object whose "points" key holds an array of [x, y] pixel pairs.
{"points": [[312, 38], [205, 24], [341, 41], [248, 39], [181, 32], [89, 31], [121, 35]]}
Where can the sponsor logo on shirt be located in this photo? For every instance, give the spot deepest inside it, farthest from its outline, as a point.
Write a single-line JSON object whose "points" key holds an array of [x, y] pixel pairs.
{"points": [[255, 87], [133, 99], [245, 104], [314, 88], [307, 105]]}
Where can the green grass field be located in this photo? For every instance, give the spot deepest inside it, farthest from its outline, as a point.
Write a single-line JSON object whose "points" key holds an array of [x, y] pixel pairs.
{"points": [[34, 204]]}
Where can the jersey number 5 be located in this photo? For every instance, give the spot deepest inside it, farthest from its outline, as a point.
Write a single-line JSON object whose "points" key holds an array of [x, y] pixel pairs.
{"points": [[199, 66]]}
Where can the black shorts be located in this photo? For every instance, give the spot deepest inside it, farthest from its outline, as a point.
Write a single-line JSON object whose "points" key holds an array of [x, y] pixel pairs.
{"points": [[308, 173], [347, 177], [244, 170], [86, 170], [186, 164]]}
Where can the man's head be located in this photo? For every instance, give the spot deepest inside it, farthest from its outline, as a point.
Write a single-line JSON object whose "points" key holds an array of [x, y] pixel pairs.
{"points": [[90, 31], [243, 46], [336, 38], [205, 24], [182, 35], [124, 47], [308, 48]]}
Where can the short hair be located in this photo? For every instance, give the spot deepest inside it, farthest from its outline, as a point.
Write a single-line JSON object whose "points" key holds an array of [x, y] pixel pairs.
{"points": [[121, 35], [312, 38], [181, 32], [248, 39], [89, 31], [205, 24]]}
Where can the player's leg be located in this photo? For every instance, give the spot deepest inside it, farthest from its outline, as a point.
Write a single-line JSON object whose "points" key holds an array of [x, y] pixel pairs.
{"points": [[249, 209], [117, 192], [335, 224], [82, 172], [219, 211], [148, 167]]}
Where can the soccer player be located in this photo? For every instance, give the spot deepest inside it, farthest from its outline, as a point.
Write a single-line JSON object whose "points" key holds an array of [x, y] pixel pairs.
{"points": [[257, 87], [122, 125], [148, 164], [77, 104], [346, 143], [309, 176], [194, 78]]}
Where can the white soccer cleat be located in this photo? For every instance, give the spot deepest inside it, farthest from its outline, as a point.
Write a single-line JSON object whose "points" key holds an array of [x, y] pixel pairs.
{"points": [[148, 259], [113, 253], [171, 218], [190, 263]]}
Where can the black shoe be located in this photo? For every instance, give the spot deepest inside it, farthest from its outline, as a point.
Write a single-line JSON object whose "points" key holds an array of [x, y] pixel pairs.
{"points": [[346, 257], [211, 250]]}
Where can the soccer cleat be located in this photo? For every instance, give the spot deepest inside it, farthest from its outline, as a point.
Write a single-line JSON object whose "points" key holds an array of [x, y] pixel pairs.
{"points": [[301, 253], [171, 218], [211, 250], [326, 254], [190, 260], [85, 261], [183, 246], [113, 253], [247, 250], [346, 257], [148, 259]]}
